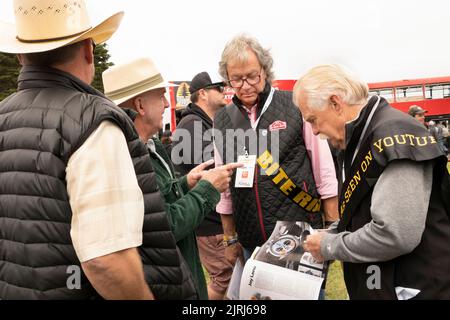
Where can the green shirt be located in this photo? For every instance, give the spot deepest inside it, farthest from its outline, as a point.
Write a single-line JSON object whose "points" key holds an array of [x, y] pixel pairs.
{"points": [[185, 210]]}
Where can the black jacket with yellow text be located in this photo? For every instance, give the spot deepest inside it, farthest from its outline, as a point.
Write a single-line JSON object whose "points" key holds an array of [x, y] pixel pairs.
{"points": [[394, 136]]}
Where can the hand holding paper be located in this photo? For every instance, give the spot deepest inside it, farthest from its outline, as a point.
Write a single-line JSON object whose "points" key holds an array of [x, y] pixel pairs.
{"points": [[312, 245]]}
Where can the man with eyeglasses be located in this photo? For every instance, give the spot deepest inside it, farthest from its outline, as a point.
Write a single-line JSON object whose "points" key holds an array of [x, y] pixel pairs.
{"points": [[300, 185], [207, 98]]}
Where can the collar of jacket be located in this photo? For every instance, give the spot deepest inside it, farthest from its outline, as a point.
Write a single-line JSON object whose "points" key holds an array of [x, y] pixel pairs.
{"points": [[132, 114], [192, 108], [31, 77], [354, 129], [155, 146], [262, 97]]}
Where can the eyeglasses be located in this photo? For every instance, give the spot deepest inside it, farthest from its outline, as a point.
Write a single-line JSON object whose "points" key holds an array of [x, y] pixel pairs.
{"points": [[252, 79], [93, 47]]}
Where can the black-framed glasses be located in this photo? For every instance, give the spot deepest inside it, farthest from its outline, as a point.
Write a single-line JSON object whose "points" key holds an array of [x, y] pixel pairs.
{"points": [[252, 79]]}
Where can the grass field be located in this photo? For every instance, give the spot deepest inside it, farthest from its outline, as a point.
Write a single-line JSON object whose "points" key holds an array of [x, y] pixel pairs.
{"points": [[335, 288]]}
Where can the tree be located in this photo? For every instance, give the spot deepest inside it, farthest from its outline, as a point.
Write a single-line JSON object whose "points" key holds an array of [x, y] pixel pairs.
{"points": [[101, 64], [9, 70]]}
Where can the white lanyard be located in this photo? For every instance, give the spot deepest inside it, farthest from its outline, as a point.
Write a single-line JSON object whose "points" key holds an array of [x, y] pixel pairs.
{"points": [[361, 137], [264, 109]]}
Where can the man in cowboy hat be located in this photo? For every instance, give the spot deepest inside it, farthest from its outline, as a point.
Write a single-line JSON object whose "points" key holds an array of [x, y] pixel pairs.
{"points": [[70, 195], [139, 87]]}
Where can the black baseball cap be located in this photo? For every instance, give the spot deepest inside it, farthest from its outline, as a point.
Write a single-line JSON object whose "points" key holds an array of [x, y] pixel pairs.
{"points": [[203, 81]]}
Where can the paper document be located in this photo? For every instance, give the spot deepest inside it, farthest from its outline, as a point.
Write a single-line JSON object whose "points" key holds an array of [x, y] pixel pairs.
{"points": [[281, 269]]}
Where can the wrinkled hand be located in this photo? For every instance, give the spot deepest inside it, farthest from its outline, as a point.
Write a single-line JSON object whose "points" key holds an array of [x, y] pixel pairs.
{"points": [[234, 252], [312, 245], [196, 174], [220, 177]]}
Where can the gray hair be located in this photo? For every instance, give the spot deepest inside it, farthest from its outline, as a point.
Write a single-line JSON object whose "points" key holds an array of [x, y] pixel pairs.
{"points": [[321, 82], [236, 49]]}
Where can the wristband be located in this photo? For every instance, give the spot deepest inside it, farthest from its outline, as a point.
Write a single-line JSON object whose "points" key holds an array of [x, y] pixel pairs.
{"points": [[228, 241]]}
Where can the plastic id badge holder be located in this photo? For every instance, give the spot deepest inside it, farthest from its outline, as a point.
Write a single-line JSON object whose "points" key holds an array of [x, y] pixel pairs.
{"points": [[245, 174]]}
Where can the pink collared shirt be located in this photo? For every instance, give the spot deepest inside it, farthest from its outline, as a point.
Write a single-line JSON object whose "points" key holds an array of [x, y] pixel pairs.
{"points": [[321, 162]]}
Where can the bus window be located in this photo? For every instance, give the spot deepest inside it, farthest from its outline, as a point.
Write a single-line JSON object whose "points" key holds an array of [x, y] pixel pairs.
{"points": [[437, 91], [387, 93], [409, 93]]}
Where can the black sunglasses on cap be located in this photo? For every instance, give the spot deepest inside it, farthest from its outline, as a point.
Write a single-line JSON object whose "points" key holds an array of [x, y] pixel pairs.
{"points": [[219, 88]]}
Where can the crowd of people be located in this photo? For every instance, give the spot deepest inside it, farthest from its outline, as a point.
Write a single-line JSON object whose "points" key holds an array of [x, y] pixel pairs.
{"points": [[86, 183]]}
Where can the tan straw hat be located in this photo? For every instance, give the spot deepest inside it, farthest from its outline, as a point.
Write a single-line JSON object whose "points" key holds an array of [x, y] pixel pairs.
{"points": [[126, 81], [44, 25]]}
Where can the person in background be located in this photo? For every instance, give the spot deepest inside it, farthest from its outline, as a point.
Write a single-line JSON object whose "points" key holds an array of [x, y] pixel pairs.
{"points": [[438, 131], [194, 137], [417, 113]]}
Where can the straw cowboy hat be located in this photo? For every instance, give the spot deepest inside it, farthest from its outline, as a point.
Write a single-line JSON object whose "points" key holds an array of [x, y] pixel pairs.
{"points": [[44, 25], [126, 81]]}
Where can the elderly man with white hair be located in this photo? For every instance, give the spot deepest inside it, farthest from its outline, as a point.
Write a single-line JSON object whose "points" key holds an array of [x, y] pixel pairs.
{"points": [[394, 228]]}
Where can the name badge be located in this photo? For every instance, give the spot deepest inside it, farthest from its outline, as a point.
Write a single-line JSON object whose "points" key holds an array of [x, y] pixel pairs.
{"points": [[245, 174]]}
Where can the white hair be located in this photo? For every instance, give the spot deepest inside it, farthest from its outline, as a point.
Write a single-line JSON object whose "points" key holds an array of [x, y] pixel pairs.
{"points": [[324, 81]]}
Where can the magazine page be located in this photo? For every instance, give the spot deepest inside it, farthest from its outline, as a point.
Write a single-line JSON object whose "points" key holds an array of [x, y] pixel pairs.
{"points": [[264, 281], [281, 269], [235, 281]]}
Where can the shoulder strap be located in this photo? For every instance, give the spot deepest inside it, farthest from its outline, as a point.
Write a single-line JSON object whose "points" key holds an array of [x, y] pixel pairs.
{"points": [[364, 174]]}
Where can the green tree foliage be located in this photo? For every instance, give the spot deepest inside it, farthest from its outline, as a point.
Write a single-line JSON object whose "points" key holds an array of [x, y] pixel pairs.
{"points": [[101, 64], [9, 70]]}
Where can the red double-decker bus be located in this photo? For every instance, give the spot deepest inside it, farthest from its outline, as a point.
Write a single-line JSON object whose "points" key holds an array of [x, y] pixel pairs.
{"points": [[432, 94]]}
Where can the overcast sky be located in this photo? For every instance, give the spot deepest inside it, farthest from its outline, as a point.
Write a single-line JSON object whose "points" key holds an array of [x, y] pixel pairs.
{"points": [[380, 40]]}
